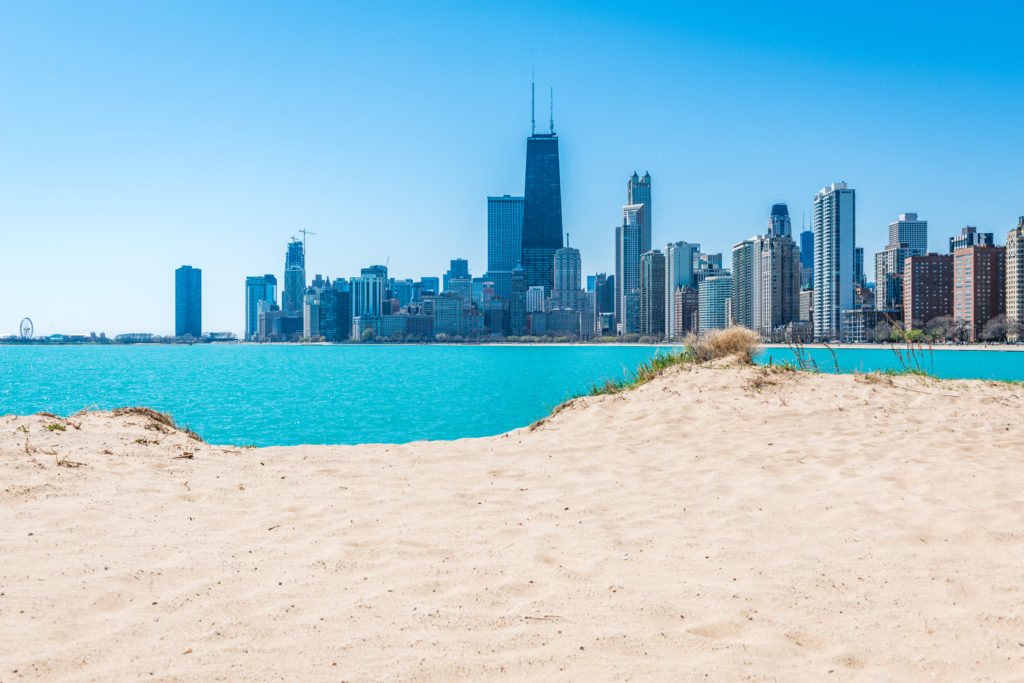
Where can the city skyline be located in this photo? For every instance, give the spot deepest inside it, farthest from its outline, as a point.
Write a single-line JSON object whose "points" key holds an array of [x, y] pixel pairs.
{"points": [[125, 184]]}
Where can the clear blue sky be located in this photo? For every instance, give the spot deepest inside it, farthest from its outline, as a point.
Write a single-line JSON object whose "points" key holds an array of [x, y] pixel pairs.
{"points": [[139, 136]]}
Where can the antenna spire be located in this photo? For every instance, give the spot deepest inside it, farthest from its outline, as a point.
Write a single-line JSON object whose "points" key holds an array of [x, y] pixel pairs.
{"points": [[533, 104], [552, 102]]}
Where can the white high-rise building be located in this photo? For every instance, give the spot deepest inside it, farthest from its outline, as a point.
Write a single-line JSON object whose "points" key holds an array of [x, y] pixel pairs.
{"points": [[1015, 282], [535, 299], [713, 303], [835, 224], [568, 292], [678, 273], [628, 239], [908, 230], [743, 286]]}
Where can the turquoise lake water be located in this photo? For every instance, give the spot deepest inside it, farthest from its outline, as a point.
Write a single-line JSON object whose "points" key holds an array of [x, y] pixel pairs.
{"points": [[346, 394]]}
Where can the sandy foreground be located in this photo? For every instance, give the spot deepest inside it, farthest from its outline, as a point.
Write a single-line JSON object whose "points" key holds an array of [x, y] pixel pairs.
{"points": [[720, 522]]}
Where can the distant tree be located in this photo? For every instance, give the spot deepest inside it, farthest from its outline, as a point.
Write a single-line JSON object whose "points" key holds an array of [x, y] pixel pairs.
{"points": [[995, 329], [884, 332], [367, 335], [941, 328]]}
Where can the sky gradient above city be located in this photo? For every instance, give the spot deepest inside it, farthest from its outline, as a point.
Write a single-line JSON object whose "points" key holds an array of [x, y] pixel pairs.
{"points": [[139, 136]]}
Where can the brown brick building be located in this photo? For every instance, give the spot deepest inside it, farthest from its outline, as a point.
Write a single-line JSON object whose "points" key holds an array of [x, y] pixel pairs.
{"points": [[979, 286], [927, 289]]}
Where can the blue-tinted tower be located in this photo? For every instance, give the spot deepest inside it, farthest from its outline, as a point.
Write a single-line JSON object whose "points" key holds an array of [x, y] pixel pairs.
{"points": [[188, 302], [542, 208]]}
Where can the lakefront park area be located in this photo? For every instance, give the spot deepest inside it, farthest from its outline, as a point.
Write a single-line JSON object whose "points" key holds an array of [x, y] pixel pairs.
{"points": [[711, 517]]}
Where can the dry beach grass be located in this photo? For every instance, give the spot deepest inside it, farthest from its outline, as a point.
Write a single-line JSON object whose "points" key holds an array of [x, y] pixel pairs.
{"points": [[718, 520]]}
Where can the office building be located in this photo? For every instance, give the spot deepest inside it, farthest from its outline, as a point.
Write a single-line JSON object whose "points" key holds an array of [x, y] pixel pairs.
{"points": [[366, 297], [310, 314], [504, 241], [834, 228], [889, 275], [431, 285], [188, 302], [631, 312], [542, 207], [806, 313], [743, 257], [257, 288], [627, 256], [858, 268], [335, 321], [638, 191], [604, 293], [534, 298], [927, 289], [294, 278], [679, 258], [458, 270], [1015, 283], [774, 300], [806, 259], [517, 303], [713, 297], [979, 287], [908, 229], [779, 223], [685, 302], [567, 293], [970, 237], [652, 294]]}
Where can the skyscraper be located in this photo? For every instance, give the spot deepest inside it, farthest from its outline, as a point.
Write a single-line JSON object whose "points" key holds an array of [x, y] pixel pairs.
{"points": [[652, 293], [1015, 282], [294, 278], [908, 230], [604, 293], [504, 241], [188, 302], [517, 302], [743, 255], [775, 298], [713, 296], [627, 258], [567, 293], [458, 269], [257, 288], [858, 268], [779, 224], [638, 191], [835, 224], [908, 236], [678, 273], [806, 259], [542, 208]]}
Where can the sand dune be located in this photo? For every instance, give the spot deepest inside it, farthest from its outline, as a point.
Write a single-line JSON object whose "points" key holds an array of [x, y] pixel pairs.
{"points": [[717, 521]]}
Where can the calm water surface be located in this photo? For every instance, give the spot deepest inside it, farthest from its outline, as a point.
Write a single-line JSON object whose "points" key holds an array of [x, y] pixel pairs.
{"points": [[284, 395]]}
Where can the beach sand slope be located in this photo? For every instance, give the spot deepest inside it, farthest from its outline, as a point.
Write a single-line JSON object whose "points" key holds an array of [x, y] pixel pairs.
{"points": [[721, 522]]}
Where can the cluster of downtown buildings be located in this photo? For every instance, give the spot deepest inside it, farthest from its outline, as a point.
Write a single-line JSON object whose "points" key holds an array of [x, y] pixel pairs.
{"points": [[814, 289]]}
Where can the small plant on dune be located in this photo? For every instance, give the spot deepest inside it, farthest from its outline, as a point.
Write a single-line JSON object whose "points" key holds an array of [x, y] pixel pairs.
{"points": [[55, 427], [734, 341], [913, 350]]}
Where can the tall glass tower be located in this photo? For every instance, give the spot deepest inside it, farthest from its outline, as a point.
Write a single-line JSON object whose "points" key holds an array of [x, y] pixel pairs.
{"points": [[294, 277], [188, 302], [638, 191], [542, 208]]}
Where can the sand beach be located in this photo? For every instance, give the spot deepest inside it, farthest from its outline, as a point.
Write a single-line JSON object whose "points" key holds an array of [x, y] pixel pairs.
{"points": [[721, 522]]}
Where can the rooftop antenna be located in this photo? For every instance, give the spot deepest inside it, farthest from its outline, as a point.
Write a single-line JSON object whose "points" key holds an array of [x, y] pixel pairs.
{"points": [[566, 239], [533, 104], [552, 102]]}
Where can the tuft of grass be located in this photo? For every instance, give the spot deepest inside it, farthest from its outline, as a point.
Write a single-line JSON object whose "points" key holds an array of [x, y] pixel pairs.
{"points": [[908, 371], [643, 374], [55, 427], [145, 442], [156, 417], [735, 341]]}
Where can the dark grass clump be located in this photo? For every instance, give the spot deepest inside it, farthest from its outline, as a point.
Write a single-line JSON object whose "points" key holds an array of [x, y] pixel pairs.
{"points": [[156, 417]]}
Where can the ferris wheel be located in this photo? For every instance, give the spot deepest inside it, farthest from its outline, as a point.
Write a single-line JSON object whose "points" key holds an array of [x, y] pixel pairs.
{"points": [[27, 329]]}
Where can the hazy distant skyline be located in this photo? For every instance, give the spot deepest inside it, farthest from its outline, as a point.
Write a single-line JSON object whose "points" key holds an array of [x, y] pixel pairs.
{"points": [[139, 137]]}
